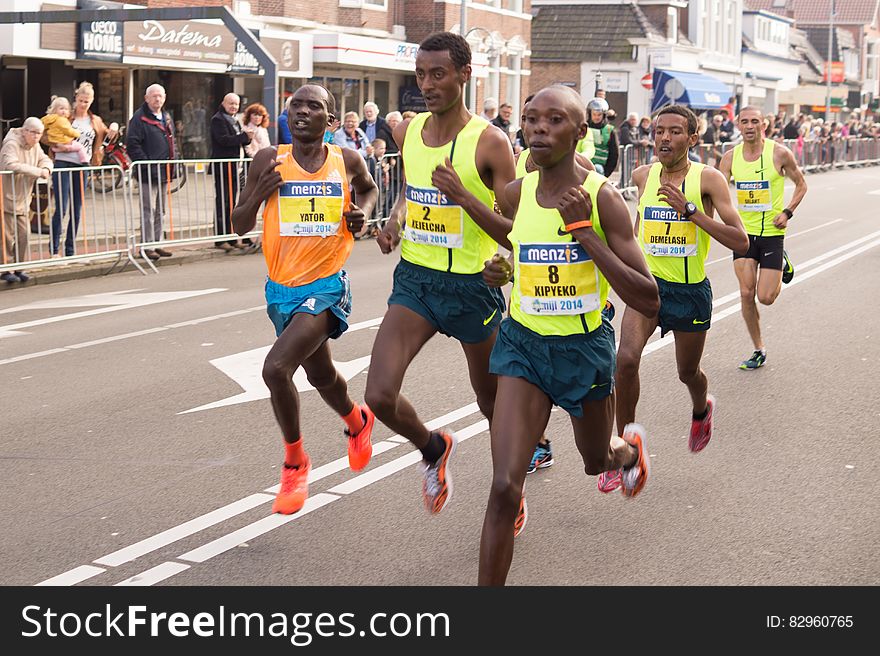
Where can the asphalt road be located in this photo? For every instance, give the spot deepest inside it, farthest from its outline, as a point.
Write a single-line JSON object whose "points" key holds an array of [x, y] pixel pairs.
{"points": [[116, 472]]}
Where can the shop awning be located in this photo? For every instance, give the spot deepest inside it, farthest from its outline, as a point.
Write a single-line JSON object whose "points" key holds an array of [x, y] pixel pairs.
{"points": [[696, 90]]}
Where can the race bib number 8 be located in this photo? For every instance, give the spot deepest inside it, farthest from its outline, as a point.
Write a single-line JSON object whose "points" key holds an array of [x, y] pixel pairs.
{"points": [[432, 219], [666, 234], [557, 279], [310, 209], [754, 196]]}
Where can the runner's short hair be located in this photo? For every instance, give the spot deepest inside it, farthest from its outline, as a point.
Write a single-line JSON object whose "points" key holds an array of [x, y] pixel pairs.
{"points": [[458, 47], [680, 110]]}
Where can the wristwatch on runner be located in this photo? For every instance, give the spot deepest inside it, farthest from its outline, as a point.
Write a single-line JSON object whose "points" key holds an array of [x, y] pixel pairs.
{"points": [[788, 213], [689, 209]]}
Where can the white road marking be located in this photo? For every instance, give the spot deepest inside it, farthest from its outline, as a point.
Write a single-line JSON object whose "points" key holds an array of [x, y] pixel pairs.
{"points": [[257, 528], [155, 574], [181, 531], [122, 300], [267, 524], [74, 576]]}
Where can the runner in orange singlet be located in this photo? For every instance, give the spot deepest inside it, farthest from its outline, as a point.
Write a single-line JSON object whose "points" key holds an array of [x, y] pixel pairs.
{"points": [[308, 227]]}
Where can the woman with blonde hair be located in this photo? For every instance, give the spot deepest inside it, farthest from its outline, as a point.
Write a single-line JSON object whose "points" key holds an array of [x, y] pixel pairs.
{"points": [[69, 185], [257, 117]]}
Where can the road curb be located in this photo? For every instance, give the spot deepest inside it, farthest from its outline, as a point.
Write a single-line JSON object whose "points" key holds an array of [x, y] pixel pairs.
{"points": [[107, 266]]}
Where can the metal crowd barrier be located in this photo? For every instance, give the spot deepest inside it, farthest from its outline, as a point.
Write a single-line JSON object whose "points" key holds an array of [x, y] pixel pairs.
{"points": [[388, 175], [181, 202], [64, 218]]}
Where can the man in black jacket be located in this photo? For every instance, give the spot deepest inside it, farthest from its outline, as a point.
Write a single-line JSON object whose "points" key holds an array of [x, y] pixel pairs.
{"points": [[227, 139], [376, 127], [150, 137]]}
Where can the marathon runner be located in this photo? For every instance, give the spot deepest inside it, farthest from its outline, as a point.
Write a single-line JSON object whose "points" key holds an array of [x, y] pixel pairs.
{"points": [[759, 167], [308, 227]]}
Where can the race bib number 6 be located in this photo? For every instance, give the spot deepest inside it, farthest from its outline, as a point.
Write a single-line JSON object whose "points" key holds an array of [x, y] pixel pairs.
{"points": [[665, 233], [557, 279], [754, 196], [432, 219], [310, 209]]}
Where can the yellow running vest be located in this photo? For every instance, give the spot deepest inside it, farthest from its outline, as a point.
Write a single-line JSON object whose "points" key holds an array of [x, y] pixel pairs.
{"points": [[760, 191], [438, 233], [674, 247], [557, 289], [521, 164]]}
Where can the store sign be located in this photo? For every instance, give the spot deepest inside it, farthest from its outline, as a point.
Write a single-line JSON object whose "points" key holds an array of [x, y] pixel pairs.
{"points": [[410, 99], [285, 52], [100, 40], [838, 72], [181, 40], [660, 57], [243, 61], [371, 52], [616, 82]]}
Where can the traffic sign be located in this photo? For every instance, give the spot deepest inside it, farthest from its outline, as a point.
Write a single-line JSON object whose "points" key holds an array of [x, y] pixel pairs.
{"points": [[647, 81]]}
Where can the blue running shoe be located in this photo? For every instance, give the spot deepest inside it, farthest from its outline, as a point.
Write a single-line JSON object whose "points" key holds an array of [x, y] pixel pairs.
{"points": [[757, 360], [542, 458]]}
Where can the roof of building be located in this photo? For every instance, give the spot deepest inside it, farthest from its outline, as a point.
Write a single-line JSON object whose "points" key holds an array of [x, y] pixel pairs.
{"points": [[588, 32], [812, 62], [813, 12], [818, 37]]}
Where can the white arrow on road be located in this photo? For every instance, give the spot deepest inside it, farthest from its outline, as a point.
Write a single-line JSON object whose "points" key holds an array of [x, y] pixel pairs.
{"points": [[246, 369], [121, 300]]}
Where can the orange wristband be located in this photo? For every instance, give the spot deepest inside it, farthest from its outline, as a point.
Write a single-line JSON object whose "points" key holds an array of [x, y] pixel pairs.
{"points": [[578, 224]]}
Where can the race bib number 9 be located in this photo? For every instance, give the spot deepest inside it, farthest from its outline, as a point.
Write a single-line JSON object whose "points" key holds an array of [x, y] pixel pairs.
{"points": [[432, 219], [754, 196], [666, 234], [310, 209], [557, 279]]}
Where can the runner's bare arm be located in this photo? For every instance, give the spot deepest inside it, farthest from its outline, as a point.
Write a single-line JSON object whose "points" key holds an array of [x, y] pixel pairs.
{"points": [[729, 231], [499, 270], [494, 159], [726, 165], [364, 187], [263, 180], [790, 169], [620, 261]]}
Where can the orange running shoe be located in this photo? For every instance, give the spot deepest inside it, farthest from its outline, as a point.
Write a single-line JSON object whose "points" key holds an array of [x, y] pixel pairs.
{"points": [[522, 516], [635, 477], [437, 486], [294, 488], [360, 448]]}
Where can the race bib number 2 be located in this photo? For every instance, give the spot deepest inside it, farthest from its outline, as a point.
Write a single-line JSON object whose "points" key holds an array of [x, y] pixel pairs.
{"points": [[310, 209], [432, 218], [557, 279], [667, 234], [754, 196]]}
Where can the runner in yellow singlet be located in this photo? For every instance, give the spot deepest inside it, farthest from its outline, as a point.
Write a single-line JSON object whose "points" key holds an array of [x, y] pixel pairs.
{"points": [[308, 227], [571, 240], [675, 222], [454, 164], [759, 167]]}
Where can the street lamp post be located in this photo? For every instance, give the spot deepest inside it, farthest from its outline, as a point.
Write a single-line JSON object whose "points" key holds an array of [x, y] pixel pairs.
{"points": [[463, 21], [828, 64]]}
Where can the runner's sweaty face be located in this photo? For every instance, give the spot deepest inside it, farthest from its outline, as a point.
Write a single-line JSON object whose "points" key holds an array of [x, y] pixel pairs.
{"points": [[751, 125], [308, 114], [553, 125], [440, 82], [671, 139]]}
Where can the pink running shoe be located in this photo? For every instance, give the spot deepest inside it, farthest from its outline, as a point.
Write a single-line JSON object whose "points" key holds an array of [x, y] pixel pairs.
{"points": [[610, 480], [701, 429]]}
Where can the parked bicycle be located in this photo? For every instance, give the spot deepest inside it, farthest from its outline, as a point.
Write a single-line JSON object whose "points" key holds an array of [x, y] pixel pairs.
{"points": [[116, 154]]}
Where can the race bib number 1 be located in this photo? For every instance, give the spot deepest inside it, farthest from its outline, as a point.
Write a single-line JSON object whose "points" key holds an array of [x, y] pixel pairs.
{"points": [[432, 219], [754, 196], [667, 234], [557, 279], [310, 209]]}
